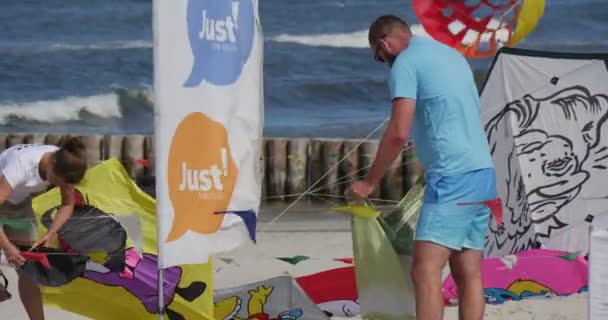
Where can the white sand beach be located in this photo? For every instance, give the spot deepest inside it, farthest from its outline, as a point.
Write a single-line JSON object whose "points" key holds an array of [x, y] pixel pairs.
{"points": [[322, 237]]}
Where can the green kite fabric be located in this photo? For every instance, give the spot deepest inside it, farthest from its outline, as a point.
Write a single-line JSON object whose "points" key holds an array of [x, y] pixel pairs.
{"points": [[383, 249], [570, 256], [400, 224], [385, 291], [294, 260]]}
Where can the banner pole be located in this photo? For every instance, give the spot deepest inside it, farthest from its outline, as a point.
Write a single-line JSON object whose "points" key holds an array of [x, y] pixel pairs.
{"points": [[589, 289], [161, 302], [158, 160]]}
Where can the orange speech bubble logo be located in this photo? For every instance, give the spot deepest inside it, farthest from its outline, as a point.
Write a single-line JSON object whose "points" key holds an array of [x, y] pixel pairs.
{"points": [[202, 175]]}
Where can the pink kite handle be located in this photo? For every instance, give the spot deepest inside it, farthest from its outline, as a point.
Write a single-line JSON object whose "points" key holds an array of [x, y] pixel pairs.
{"points": [[495, 206], [37, 257]]}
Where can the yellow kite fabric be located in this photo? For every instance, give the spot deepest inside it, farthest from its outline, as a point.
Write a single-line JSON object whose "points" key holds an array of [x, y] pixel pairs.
{"points": [[528, 18], [100, 293]]}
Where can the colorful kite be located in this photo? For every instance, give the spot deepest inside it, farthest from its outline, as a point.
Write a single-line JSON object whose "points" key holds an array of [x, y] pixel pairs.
{"points": [[534, 273], [382, 247], [334, 291], [537, 273], [115, 263], [479, 28]]}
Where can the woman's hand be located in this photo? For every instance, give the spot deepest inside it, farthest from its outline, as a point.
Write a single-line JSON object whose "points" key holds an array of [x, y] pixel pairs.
{"points": [[14, 257], [45, 241]]}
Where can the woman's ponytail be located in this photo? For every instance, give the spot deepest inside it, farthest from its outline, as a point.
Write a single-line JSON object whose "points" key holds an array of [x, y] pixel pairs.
{"points": [[70, 161]]}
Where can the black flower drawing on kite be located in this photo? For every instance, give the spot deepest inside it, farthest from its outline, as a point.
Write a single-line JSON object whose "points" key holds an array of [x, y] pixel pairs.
{"points": [[552, 146]]}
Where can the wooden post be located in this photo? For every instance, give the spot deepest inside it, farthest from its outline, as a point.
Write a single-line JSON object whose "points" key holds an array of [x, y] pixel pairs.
{"points": [[391, 187], [54, 139], [332, 153], [277, 165], [15, 139], [133, 150], [297, 157], [315, 166], [94, 150], [35, 138], [149, 155], [113, 146], [368, 154], [327, 153], [349, 168], [412, 169], [3, 141], [264, 170]]}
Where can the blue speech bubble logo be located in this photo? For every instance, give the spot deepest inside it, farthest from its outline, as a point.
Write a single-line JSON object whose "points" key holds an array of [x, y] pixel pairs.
{"points": [[221, 36]]}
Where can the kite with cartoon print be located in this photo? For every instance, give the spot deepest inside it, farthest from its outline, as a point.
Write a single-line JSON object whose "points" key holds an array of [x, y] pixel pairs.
{"points": [[113, 229], [555, 148]]}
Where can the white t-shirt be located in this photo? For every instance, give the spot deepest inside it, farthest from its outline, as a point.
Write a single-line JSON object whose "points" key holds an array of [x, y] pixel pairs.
{"points": [[19, 165]]}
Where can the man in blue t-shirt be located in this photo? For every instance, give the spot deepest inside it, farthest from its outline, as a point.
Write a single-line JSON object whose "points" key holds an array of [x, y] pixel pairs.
{"points": [[435, 102]]}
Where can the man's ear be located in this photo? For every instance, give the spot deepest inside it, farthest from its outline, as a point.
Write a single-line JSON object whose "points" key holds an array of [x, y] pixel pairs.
{"points": [[384, 45]]}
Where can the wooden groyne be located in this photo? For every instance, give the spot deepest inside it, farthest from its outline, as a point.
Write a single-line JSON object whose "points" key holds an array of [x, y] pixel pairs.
{"points": [[290, 166]]}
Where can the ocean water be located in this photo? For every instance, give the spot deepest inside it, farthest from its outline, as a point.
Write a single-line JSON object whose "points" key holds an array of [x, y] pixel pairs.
{"points": [[71, 66]]}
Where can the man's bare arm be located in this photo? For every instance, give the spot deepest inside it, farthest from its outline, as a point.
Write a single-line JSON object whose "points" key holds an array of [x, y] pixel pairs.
{"points": [[394, 138]]}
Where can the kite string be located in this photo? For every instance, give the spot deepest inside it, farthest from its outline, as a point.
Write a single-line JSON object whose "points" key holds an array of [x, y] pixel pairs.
{"points": [[344, 197], [350, 175], [342, 180], [323, 176], [339, 182], [320, 196], [315, 194]]}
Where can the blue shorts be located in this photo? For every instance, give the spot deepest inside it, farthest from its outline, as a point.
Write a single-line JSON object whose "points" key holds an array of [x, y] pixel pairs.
{"points": [[444, 222]]}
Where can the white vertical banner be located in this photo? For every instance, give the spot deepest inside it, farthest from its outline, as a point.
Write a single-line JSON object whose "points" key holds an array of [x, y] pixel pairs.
{"points": [[598, 275], [208, 83]]}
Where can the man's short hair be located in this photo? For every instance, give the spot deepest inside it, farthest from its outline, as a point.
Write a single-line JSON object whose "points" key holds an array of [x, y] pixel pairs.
{"points": [[384, 25]]}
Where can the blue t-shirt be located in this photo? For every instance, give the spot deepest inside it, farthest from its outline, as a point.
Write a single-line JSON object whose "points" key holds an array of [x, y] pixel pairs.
{"points": [[447, 128]]}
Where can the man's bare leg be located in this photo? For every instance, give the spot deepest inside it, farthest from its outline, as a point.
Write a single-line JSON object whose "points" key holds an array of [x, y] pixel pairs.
{"points": [[429, 259], [466, 270]]}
